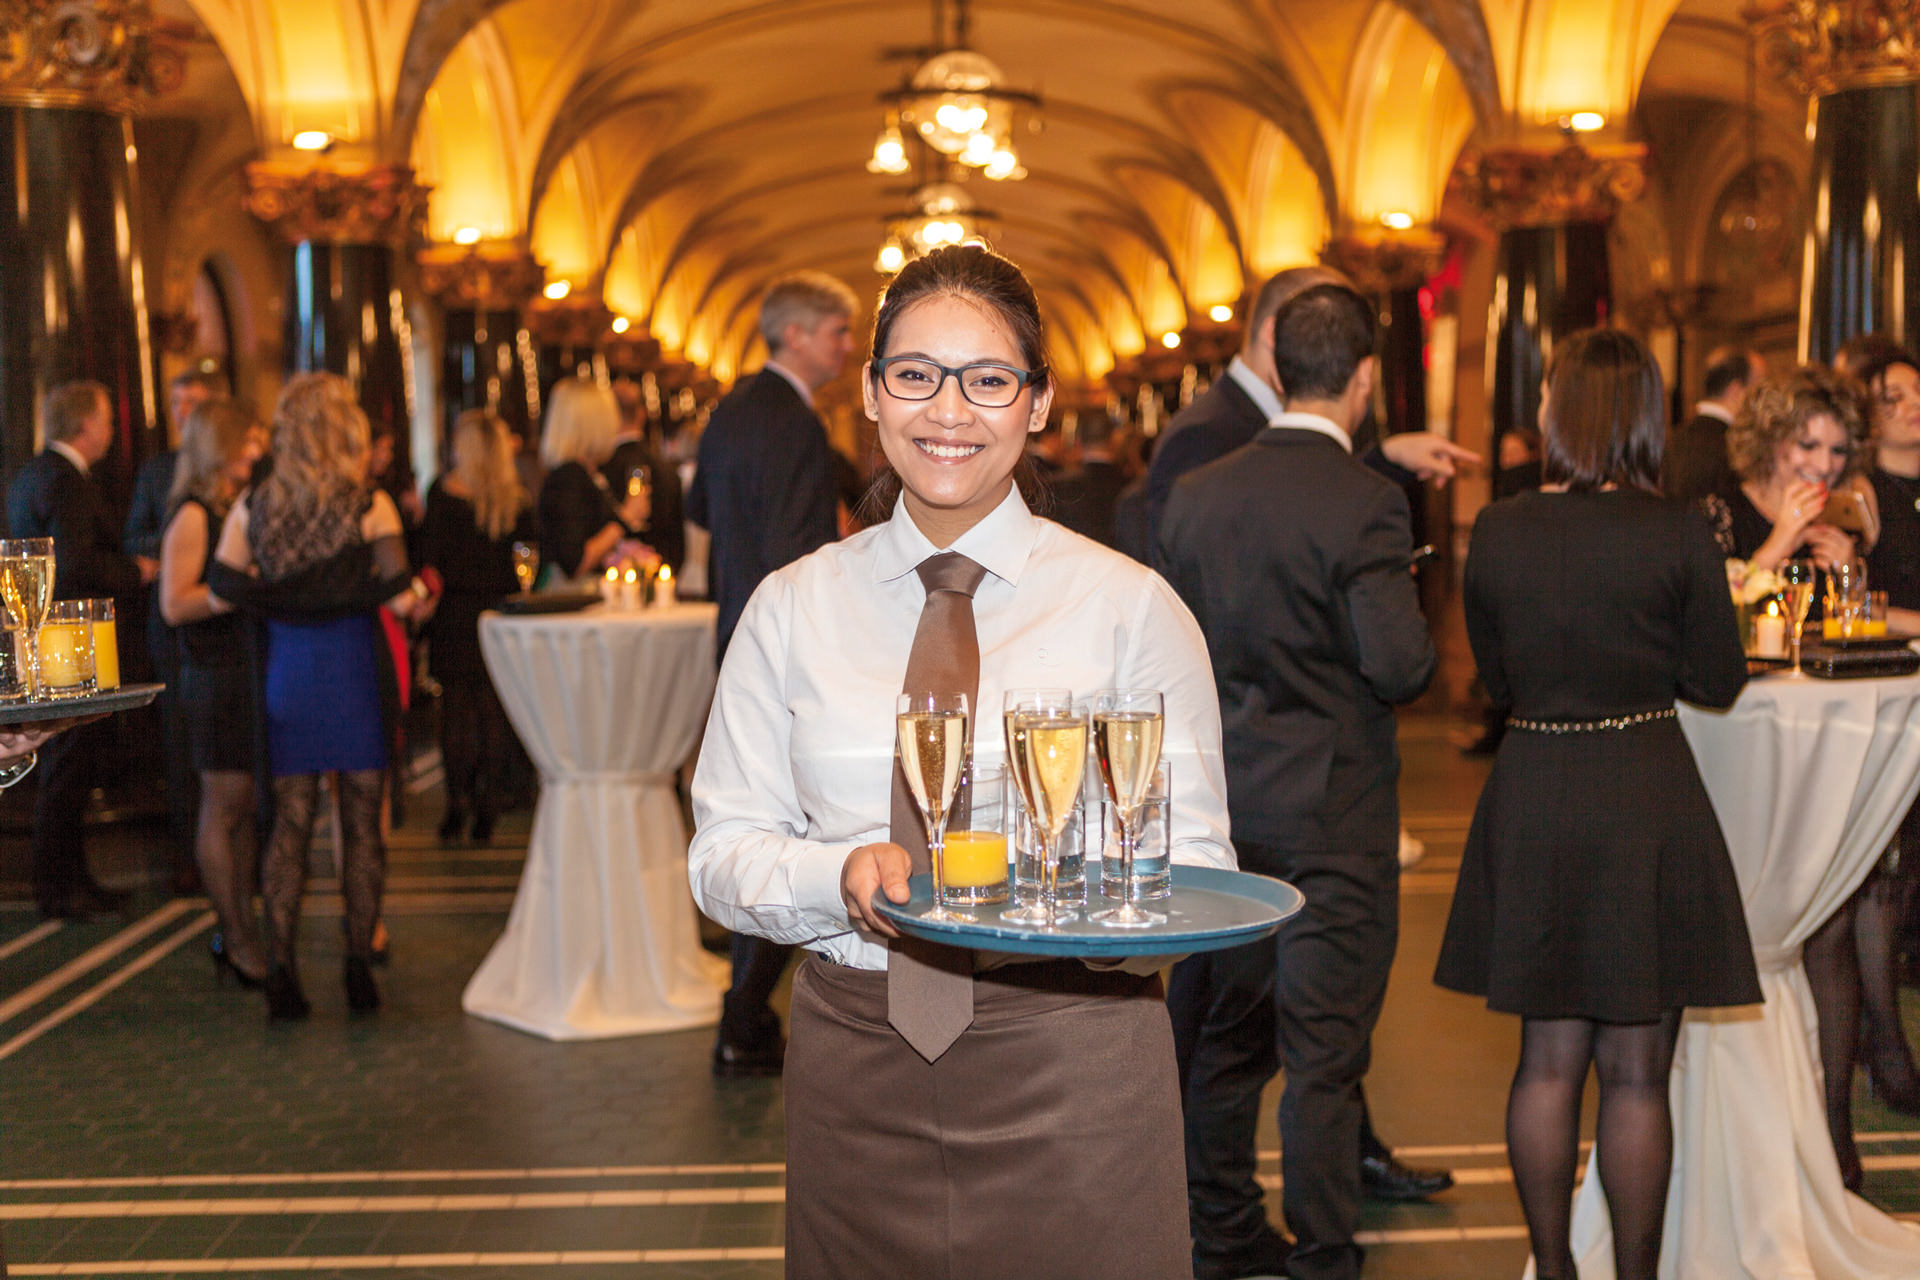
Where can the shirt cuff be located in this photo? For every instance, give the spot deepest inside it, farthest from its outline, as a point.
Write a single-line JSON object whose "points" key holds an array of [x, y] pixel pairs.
{"points": [[816, 883]]}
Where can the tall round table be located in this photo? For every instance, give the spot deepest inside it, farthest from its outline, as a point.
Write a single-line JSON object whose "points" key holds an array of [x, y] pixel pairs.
{"points": [[602, 939], [1809, 778]]}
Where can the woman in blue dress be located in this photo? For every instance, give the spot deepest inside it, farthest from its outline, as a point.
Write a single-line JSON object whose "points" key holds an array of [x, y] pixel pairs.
{"points": [[327, 548]]}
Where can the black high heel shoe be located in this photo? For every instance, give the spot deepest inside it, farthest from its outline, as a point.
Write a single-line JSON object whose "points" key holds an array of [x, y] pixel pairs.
{"points": [[452, 825], [363, 996], [224, 967], [285, 1001]]}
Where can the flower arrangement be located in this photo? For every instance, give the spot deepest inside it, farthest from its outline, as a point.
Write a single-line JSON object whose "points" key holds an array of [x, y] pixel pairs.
{"points": [[1749, 585]]}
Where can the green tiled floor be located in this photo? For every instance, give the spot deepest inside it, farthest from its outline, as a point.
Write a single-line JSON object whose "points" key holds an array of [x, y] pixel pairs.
{"points": [[412, 1132]]}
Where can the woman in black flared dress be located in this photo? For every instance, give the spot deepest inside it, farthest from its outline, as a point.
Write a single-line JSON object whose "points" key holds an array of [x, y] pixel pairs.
{"points": [[1596, 897]]}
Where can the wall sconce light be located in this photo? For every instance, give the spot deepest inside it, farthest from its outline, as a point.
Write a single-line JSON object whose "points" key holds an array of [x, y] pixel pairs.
{"points": [[557, 290], [467, 235], [1170, 340], [312, 140], [1585, 122], [1221, 314], [1397, 220], [621, 324]]}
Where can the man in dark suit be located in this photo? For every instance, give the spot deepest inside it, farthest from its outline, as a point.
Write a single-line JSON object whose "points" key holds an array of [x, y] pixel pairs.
{"points": [[1696, 458], [665, 530], [765, 488], [1294, 556], [55, 496]]}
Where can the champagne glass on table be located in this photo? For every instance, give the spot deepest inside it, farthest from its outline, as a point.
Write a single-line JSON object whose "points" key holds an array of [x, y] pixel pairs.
{"points": [[526, 564], [1018, 703], [932, 734], [26, 589], [1128, 725], [1797, 579], [1053, 750]]}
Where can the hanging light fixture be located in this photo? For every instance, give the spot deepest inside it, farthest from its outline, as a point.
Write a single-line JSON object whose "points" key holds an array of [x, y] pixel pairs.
{"points": [[890, 149], [943, 214], [1751, 207], [958, 104]]}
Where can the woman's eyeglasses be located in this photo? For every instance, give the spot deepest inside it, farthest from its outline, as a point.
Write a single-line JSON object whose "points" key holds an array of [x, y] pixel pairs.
{"points": [[985, 385]]}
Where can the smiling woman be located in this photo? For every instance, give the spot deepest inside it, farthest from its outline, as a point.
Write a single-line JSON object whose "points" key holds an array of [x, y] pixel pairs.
{"points": [[959, 589]]}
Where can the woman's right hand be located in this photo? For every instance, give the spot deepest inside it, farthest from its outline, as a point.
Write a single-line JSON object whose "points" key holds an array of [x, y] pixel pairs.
{"points": [[636, 509], [1800, 507], [870, 869]]}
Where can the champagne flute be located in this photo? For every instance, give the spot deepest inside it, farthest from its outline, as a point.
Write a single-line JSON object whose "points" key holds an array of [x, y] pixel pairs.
{"points": [[526, 564], [1016, 703], [931, 729], [1128, 725], [1797, 577], [1054, 747], [26, 590]]}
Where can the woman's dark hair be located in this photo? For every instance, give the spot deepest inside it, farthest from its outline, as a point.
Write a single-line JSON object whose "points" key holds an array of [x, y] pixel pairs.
{"points": [[1779, 408], [976, 274], [1606, 419]]}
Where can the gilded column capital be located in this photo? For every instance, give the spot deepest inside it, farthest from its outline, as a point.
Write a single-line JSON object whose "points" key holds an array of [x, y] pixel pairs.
{"points": [[480, 277], [1826, 46], [1523, 187], [381, 204], [1382, 261], [575, 322], [103, 54]]}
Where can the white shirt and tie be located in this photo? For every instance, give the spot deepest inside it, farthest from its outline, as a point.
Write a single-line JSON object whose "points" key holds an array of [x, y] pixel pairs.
{"points": [[797, 767]]}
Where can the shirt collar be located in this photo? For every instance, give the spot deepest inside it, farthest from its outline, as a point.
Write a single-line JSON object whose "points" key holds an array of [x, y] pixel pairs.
{"points": [[1710, 409], [806, 392], [71, 454], [1000, 543], [1257, 388], [1312, 422]]}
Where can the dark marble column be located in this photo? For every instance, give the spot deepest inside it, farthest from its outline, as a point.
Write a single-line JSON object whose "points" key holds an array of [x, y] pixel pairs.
{"points": [[487, 356], [570, 341]]}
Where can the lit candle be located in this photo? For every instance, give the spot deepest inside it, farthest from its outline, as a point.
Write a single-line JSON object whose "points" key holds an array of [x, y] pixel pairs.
{"points": [[610, 587], [663, 596], [1770, 635], [630, 590]]}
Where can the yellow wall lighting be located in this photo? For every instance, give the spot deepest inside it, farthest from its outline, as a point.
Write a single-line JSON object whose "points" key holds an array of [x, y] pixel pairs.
{"points": [[312, 140]]}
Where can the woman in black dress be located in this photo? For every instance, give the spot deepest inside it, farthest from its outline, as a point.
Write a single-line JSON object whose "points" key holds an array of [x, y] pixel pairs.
{"points": [[475, 513], [219, 443], [580, 524], [1596, 898]]}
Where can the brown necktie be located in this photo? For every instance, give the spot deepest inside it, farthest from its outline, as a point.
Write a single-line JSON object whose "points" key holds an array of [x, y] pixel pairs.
{"points": [[930, 987]]}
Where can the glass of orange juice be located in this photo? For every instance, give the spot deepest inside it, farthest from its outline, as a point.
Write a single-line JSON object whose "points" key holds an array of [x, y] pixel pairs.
{"points": [[66, 650], [976, 854], [106, 645]]}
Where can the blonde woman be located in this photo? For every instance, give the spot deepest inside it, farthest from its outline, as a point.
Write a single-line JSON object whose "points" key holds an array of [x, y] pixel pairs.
{"points": [[580, 524], [475, 512], [328, 549], [219, 443]]}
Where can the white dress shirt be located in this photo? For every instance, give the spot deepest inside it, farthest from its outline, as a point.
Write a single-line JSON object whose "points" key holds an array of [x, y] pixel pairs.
{"points": [[1714, 409], [797, 768], [1258, 389], [72, 455], [1313, 422]]}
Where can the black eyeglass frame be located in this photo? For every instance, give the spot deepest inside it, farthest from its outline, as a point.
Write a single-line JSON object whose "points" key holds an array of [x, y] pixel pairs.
{"points": [[1025, 377]]}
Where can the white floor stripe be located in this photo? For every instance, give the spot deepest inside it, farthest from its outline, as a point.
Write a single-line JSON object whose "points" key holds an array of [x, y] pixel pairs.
{"points": [[94, 957], [94, 994], [424, 884], [335, 1178], [483, 902], [45, 929], [391, 1261], [259, 1206]]}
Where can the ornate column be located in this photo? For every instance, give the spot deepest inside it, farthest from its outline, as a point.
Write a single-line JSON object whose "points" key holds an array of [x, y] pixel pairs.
{"points": [[1552, 210], [72, 300], [487, 356], [1860, 61], [1390, 267], [344, 311], [570, 339]]}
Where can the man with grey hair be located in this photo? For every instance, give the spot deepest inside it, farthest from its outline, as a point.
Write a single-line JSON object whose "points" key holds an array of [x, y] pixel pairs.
{"points": [[764, 488]]}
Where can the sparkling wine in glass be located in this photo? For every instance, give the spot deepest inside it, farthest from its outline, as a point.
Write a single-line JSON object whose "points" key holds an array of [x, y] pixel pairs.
{"points": [[1128, 725], [1019, 702], [526, 564], [26, 590], [932, 734], [1054, 745], [1798, 578]]}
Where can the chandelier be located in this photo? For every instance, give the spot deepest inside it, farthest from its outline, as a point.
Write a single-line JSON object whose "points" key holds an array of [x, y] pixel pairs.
{"points": [[943, 214], [958, 104]]}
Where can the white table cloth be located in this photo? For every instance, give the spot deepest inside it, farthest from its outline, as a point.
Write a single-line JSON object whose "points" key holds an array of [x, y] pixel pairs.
{"points": [[602, 939], [1809, 778]]}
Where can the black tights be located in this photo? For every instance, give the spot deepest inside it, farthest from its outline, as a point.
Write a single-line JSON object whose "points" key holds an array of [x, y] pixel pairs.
{"points": [[223, 846], [1635, 1135], [475, 742], [363, 869]]}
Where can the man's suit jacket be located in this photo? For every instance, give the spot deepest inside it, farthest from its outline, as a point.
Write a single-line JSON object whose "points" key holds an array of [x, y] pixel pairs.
{"points": [[1212, 426], [1084, 500], [1293, 556], [147, 515], [764, 489], [1696, 463], [51, 498], [665, 529]]}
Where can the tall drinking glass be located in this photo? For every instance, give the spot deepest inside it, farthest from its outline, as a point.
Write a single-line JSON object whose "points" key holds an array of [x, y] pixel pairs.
{"points": [[1797, 579], [1128, 725], [26, 590], [1019, 702], [526, 564], [1053, 745], [931, 730]]}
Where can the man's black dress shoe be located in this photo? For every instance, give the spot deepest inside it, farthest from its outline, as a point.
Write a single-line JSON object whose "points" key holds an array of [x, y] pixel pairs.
{"points": [[733, 1061], [1384, 1178], [1267, 1256]]}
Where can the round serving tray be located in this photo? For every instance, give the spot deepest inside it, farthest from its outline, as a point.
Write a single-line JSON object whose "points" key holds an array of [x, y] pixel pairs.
{"points": [[125, 698], [1209, 910]]}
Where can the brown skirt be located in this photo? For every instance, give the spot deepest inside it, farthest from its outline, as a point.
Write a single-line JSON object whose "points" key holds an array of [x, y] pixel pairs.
{"points": [[1045, 1142]]}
